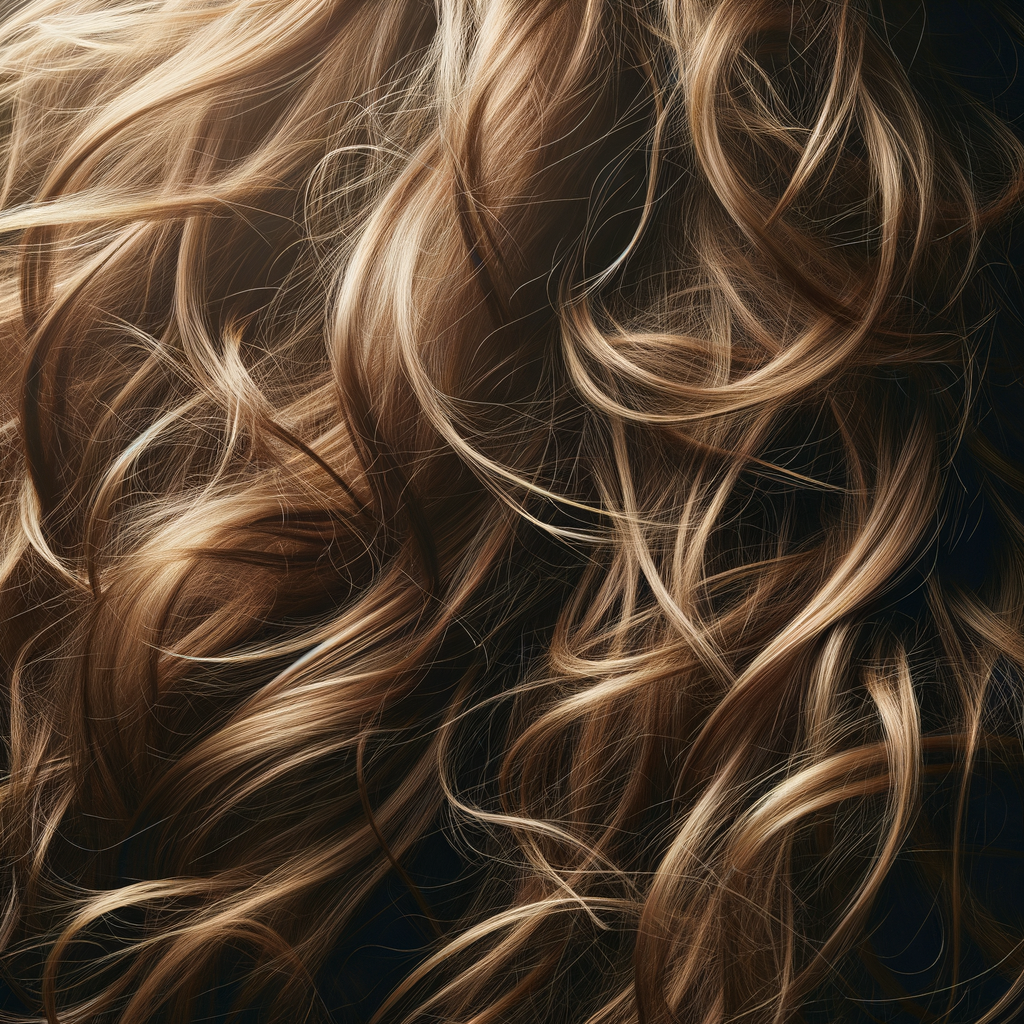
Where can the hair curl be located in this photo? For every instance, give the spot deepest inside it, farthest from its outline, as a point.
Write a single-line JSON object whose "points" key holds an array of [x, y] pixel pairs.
{"points": [[530, 418]]}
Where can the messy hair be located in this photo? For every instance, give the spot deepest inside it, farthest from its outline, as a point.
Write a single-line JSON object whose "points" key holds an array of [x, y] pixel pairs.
{"points": [[533, 420]]}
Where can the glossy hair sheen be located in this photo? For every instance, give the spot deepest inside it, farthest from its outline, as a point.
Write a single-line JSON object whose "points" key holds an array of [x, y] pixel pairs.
{"points": [[529, 419]]}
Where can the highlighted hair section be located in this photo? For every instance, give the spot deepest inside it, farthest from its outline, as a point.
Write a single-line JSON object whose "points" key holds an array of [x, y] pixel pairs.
{"points": [[535, 420]]}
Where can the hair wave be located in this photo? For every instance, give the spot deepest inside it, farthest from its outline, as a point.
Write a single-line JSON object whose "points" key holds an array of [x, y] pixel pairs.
{"points": [[529, 419]]}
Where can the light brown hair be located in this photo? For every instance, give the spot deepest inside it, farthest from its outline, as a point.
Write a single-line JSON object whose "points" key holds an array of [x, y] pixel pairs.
{"points": [[518, 417]]}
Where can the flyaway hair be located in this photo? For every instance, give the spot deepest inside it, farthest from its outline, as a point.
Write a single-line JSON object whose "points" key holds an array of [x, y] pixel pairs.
{"points": [[539, 421]]}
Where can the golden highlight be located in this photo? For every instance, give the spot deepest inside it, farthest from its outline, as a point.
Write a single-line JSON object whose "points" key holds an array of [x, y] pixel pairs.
{"points": [[524, 418]]}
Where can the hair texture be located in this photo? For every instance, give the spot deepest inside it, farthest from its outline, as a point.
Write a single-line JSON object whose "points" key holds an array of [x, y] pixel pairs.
{"points": [[528, 418]]}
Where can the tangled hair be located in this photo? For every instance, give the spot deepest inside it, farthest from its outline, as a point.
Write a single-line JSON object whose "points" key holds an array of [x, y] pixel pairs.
{"points": [[536, 421]]}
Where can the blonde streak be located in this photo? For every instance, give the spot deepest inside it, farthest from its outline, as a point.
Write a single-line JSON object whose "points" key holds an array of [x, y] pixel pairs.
{"points": [[85, 30], [522, 924], [47, 822], [898, 711], [15, 540], [611, 658], [221, 373], [689, 854], [498, 72], [358, 627], [24, 16], [317, 642], [519, 105], [42, 792], [240, 764], [879, 550], [797, 368], [29, 744], [998, 638], [696, 519], [529, 916], [184, 944], [836, 111], [188, 306], [719, 316], [857, 487], [583, 616], [356, 282], [234, 896], [163, 561], [737, 194], [849, 775], [93, 909], [627, 589], [887, 160], [780, 810], [900, 715], [34, 536], [685, 24], [115, 206], [244, 407], [185, 529], [663, 111], [98, 904], [360, 275], [620, 1009], [733, 309], [822, 718], [31, 15], [683, 619], [219, 368], [179, 192], [588, 40], [111, 483], [270, 744], [68, 288], [581, 329], [183, 76], [190, 648], [709, 57], [331, 664], [529, 831], [998, 629], [681, 923], [787, 646], [714, 52], [912, 156], [457, 25], [369, 620], [593, 702], [694, 545], [12, 338], [813, 356], [496, 84], [544, 869], [520, 824], [601, 399], [152, 993], [788, 996]]}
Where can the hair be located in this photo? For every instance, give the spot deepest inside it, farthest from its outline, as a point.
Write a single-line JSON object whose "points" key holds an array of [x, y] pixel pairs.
{"points": [[537, 421]]}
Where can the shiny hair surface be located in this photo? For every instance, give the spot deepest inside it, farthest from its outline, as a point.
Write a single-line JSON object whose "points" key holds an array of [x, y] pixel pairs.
{"points": [[529, 419]]}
